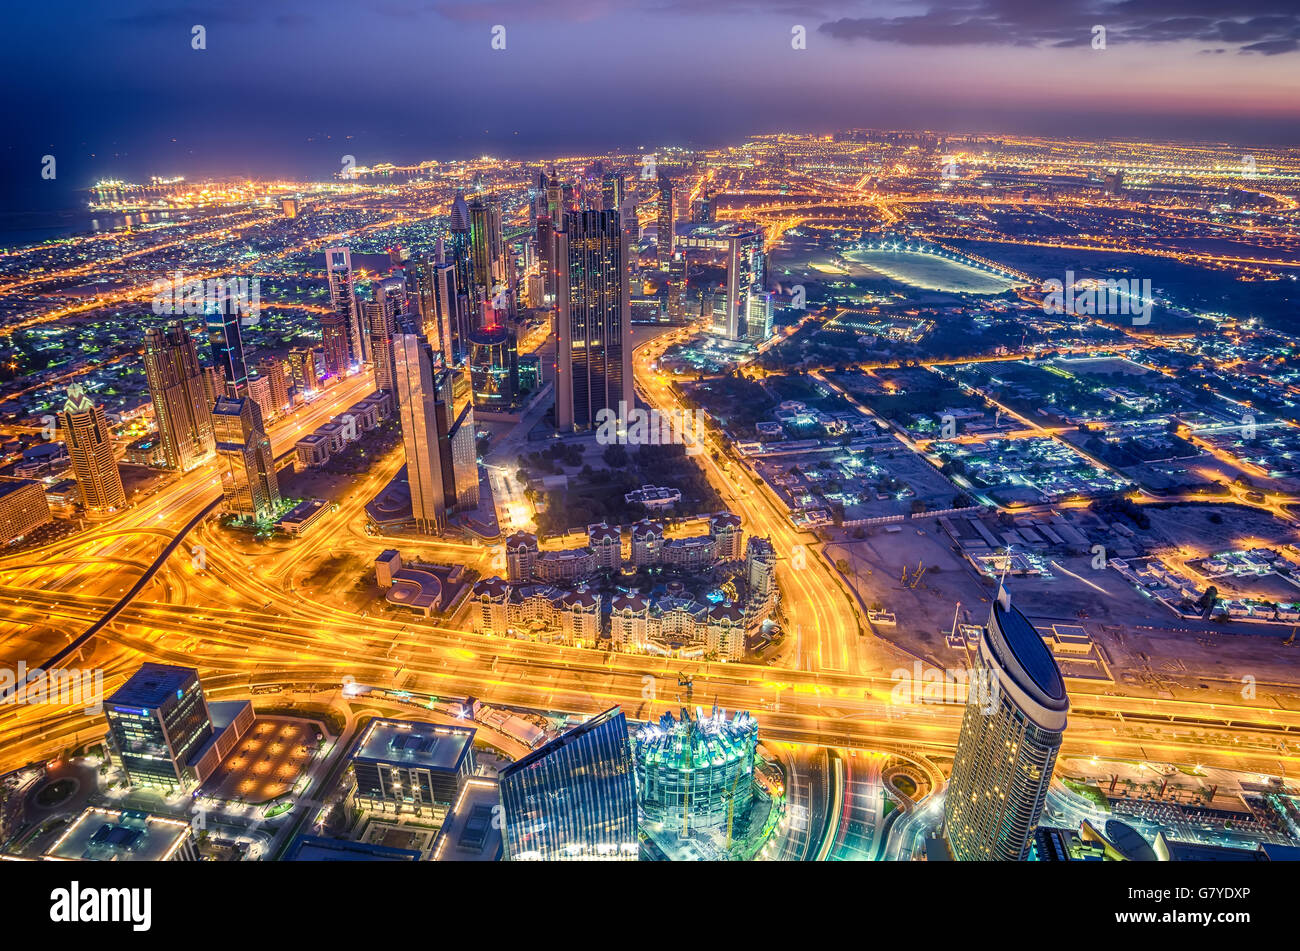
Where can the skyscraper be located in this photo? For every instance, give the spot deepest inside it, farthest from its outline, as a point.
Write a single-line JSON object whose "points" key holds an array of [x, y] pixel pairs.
{"points": [[1010, 733], [677, 288], [334, 343], [575, 797], [381, 323], [667, 220], [171, 366], [458, 248], [248, 480], [343, 298], [437, 419], [487, 253], [90, 446], [612, 189], [157, 721], [593, 320], [227, 347], [745, 276]]}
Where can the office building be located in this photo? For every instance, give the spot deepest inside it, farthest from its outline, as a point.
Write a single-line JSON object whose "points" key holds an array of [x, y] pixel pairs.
{"points": [[278, 382], [99, 834], [745, 276], [487, 246], [90, 446], [613, 191], [334, 343], [304, 370], [227, 350], [593, 320], [494, 368], [343, 300], [575, 797], [677, 289], [175, 377], [158, 721], [1010, 733], [248, 480], [381, 324], [437, 418], [23, 508], [401, 766], [667, 221]]}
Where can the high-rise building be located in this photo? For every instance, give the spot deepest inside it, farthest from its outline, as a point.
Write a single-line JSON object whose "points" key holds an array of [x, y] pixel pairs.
{"points": [[745, 276], [1010, 734], [612, 189], [593, 320], [90, 447], [343, 299], [458, 248], [304, 369], [248, 480], [666, 226], [334, 343], [546, 258], [677, 289], [575, 797], [278, 380], [23, 508], [381, 323], [487, 247], [227, 348], [494, 368], [157, 721], [437, 417], [180, 408]]}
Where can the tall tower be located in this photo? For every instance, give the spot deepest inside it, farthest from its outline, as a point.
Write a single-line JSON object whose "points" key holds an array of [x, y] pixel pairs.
{"points": [[593, 320], [612, 191], [745, 265], [343, 298], [1010, 733], [334, 343], [227, 348], [171, 366], [667, 219], [573, 799], [381, 324], [677, 288], [90, 446], [437, 420], [458, 247], [248, 480], [486, 243]]}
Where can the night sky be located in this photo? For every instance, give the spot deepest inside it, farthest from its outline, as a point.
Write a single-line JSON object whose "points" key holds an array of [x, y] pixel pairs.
{"points": [[115, 90]]}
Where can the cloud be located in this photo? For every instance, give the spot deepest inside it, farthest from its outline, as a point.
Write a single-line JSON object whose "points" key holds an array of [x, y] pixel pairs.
{"points": [[1267, 27]]}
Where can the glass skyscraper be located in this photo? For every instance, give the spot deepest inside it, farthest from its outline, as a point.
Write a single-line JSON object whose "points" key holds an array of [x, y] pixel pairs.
{"points": [[157, 721], [593, 321], [1010, 733], [575, 797]]}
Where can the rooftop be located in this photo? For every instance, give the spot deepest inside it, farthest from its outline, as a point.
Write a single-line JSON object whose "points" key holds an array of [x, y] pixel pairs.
{"points": [[431, 745]]}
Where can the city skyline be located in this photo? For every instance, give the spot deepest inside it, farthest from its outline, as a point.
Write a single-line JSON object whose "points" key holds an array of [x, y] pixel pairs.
{"points": [[756, 432]]}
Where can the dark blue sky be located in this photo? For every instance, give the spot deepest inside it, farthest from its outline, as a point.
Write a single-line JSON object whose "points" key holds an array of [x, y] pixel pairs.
{"points": [[115, 89]]}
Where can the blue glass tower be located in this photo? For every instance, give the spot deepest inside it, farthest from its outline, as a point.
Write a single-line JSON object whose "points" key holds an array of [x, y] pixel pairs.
{"points": [[575, 797]]}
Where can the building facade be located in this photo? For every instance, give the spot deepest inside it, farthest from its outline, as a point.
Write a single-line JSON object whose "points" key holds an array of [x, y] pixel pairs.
{"points": [[573, 799], [1010, 733]]}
